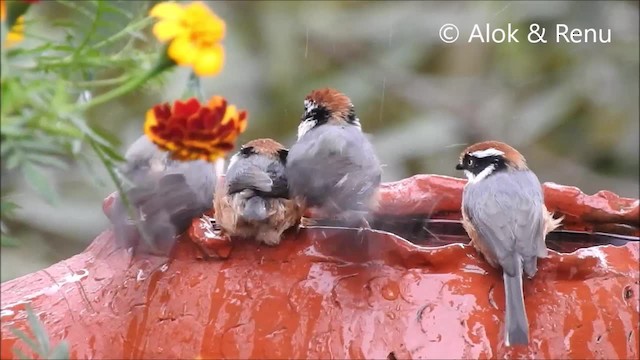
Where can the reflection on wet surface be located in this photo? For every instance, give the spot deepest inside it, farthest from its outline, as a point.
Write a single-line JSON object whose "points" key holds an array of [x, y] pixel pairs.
{"points": [[437, 232]]}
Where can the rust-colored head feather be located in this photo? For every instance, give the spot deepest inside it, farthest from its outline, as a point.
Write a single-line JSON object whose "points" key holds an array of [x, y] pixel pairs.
{"points": [[337, 103], [265, 146], [512, 157], [330, 106]]}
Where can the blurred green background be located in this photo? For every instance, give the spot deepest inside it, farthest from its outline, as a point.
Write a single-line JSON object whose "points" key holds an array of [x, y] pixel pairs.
{"points": [[571, 109]]}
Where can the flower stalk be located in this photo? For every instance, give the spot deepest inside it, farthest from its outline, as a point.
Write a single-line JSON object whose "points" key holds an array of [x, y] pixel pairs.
{"points": [[164, 63]]}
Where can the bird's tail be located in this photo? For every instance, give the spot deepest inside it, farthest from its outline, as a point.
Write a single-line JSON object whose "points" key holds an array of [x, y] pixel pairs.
{"points": [[255, 209], [516, 323]]}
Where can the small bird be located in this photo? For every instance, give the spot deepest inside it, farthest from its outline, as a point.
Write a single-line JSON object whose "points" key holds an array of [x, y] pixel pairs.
{"points": [[333, 166], [164, 195], [504, 214], [254, 199]]}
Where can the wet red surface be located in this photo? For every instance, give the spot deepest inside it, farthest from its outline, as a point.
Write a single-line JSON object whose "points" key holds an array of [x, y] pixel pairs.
{"points": [[337, 293]]}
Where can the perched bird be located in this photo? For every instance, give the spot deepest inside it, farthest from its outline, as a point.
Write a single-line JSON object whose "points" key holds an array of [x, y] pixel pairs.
{"points": [[333, 166], [504, 214], [254, 199], [164, 196]]}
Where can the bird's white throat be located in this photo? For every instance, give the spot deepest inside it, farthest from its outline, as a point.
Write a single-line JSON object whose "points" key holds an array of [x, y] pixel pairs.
{"points": [[473, 179], [305, 126]]}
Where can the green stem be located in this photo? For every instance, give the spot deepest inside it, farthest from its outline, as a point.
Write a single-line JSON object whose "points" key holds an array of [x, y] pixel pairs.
{"points": [[194, 88], [163, 64], [119, 91], [103, 82], [113, 176]]}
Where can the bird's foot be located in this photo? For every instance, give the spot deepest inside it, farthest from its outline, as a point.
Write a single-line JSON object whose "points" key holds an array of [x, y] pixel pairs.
{"points": [[210, 238]]}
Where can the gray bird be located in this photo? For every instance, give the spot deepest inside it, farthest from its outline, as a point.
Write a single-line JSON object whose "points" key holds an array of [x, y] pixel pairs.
{"points": [[333, 166], [254, 199], [504, 214], [165, 195]]}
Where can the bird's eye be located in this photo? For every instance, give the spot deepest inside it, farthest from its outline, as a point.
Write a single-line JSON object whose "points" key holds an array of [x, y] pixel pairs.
{"points": [[247, 150], [470, 162]]}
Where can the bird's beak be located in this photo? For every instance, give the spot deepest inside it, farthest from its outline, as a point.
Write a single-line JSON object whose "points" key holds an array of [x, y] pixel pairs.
{"points": [[459, 167]]}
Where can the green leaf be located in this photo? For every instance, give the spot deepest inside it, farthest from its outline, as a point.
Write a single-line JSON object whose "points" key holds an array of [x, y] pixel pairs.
{"points": [[40, 183], [105, 134], [6, 147], [112, 153], [107, 8], [13, 126], [7, 207], [88, 131], [60, 95], [25, 338], [47, 161], [39, 331], [79, 6], [43, 145], [14, 159], [19, 354], [60, 352]]}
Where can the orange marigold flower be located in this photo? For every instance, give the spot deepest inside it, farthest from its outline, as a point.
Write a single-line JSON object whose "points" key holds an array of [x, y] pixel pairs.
{"points": [[194, 33], [190, 130]]}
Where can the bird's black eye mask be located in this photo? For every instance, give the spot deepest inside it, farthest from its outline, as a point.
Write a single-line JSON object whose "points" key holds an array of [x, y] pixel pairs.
{"points": [[316, 113], [475, 164], [282, 154], [351, 118], [247, 151]]}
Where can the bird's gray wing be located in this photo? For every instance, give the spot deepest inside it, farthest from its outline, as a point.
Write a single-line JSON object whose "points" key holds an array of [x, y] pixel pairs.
{"points": [[333, 165], [319, 160], [280, 186], [243, 176], [506, 211], [164, 195]]}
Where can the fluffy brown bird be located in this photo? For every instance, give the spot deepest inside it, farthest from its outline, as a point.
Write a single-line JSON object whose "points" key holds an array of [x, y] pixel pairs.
{"points": [[254, 199], [504, 214], [333, 166]]}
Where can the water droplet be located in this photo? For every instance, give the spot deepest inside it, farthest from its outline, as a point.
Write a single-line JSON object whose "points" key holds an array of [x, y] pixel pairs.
{"points": [[141, 275], [391, 315], [390, 291]]}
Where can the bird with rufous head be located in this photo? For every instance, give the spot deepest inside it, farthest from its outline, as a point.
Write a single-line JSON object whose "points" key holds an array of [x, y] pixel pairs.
{"points": [[504, 214], [333, 167]]}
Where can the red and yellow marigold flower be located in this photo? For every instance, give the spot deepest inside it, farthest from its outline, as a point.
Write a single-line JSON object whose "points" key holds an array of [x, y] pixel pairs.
{"points": [[190, 130], [194, 33]]}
